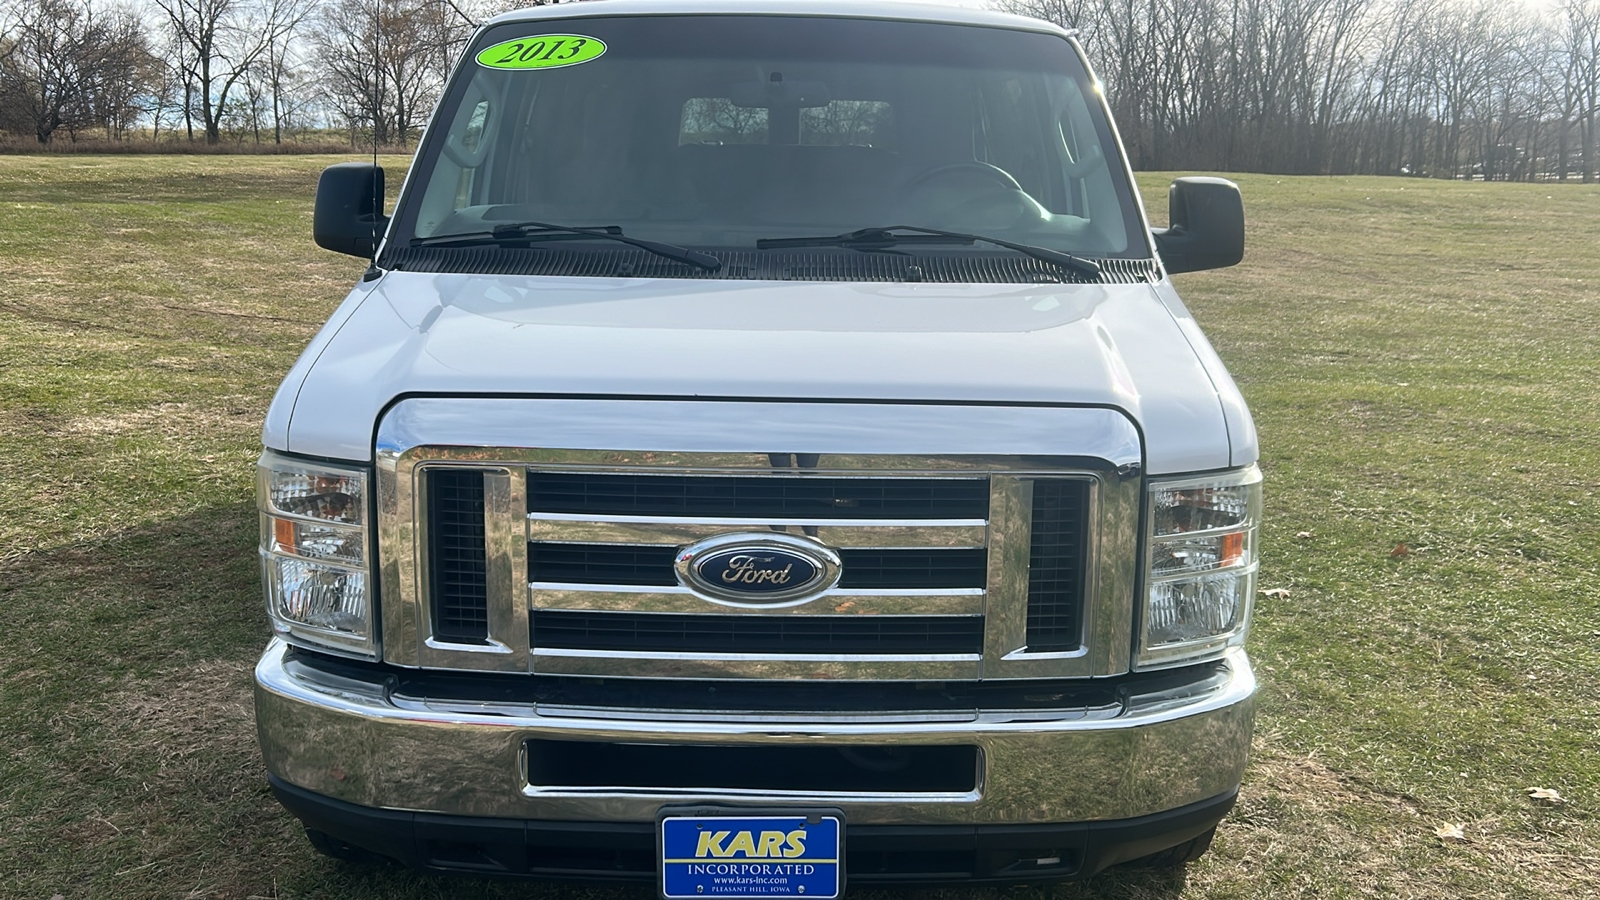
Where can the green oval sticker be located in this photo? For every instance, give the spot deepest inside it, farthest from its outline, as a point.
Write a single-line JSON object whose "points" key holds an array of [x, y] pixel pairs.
{"points": [[544, 51]]}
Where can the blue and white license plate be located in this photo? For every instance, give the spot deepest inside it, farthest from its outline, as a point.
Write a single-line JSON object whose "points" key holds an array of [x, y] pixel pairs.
{"points": [[714, 854]]}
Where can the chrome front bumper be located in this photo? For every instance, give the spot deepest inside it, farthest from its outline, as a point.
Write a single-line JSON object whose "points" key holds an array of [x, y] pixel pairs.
{"points": [[350, 740]]}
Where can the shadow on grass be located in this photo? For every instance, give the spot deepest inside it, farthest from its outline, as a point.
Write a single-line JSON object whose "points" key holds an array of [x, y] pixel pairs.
{"points": [[128, 760], [139, 601], [384, 879]]}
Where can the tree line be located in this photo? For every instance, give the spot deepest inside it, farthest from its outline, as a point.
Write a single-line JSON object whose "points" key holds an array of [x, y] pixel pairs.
{"points": [[1443, 88], [212, 71]]}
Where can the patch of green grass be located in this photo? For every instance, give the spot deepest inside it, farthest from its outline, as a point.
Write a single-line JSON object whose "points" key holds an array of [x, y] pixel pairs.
{"points": [[1421, 359]]}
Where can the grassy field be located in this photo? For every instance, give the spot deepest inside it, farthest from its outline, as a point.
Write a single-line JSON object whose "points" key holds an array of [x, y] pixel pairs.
{"points": [[1422, 358]]}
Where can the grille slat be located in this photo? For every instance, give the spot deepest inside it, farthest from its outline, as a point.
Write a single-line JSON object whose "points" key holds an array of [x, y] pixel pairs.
{"points": [[756, 634], [631, 564], [1055, 569], [913, 568], [801, 497], [458, 564], [601, 564]]}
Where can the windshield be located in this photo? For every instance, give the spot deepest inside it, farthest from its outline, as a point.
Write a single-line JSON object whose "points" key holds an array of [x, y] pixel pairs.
{"points": [[715, 132]]}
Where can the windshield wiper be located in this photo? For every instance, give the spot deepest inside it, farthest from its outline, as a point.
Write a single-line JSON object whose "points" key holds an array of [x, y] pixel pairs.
{"points": [[529, 232], [882, 238]]}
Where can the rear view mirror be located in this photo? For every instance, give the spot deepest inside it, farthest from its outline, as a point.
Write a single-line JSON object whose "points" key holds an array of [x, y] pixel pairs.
{"points": [[770, 94], [1205, 227], [348, 216]]}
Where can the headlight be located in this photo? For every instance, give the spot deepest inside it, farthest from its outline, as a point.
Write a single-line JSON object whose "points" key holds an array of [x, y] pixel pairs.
{"points": [[1201, 570], [315, 553]]}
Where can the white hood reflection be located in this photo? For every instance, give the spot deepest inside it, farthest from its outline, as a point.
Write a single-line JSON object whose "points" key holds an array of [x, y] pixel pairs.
{"points": [[1116, 346]]}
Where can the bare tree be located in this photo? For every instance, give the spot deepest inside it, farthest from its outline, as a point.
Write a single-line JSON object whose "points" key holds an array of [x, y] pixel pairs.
{"points": [[118, 87], [41, 74], [1577, 54], [1448, 88], [385, 61], [1451, 88], [166, 100], [278, 69], [347, 44], [219, 41], [68, 64]]}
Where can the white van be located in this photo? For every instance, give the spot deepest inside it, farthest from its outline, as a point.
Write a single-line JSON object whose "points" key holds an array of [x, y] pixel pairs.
{"points": [[767, 450]]}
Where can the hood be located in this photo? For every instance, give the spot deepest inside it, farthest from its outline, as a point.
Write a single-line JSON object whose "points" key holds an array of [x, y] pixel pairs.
{"points": [[1119, 346]]}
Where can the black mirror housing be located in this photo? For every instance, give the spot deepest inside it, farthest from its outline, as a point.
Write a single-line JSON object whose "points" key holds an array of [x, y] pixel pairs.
{"points": [[348, 216], [1205, 225]]}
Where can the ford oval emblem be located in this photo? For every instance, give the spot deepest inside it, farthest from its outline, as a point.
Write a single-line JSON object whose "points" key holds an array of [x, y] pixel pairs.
{"points": [[758, 569]]}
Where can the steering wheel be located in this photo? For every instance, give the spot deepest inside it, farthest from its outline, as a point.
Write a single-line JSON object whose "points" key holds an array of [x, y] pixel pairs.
{"points": [[999, 202], [994, 173]]}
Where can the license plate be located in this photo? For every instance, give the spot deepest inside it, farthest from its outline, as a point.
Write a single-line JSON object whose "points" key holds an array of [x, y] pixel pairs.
{"points": [[723, 853]]}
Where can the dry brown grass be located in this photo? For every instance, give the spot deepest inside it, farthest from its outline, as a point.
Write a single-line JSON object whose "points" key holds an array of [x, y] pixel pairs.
{"points": [[1298, 814]]}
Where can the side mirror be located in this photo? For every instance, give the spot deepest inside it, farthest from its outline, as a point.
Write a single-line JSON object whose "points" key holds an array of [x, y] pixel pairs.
{"points": [[348, 217], [1205, 227]]}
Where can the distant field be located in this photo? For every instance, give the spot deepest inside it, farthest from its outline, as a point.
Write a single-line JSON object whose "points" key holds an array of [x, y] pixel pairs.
{"points": [[1422, 358]]}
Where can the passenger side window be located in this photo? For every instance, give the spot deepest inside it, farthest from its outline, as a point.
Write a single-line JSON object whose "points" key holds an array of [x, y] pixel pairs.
{"points": [[471, 141]]}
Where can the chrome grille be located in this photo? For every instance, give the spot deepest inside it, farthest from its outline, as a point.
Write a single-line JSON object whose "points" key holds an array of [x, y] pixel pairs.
{"points": [[937, 559], [575, 584]]}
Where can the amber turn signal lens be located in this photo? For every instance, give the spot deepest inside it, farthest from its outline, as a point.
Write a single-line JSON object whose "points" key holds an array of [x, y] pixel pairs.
{"points": [[283, 534], [1232, 548]]}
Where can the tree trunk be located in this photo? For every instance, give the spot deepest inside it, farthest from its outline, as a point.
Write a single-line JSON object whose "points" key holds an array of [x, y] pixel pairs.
{"points": [[1588, 148], [208, 115], [1561, 149]]}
